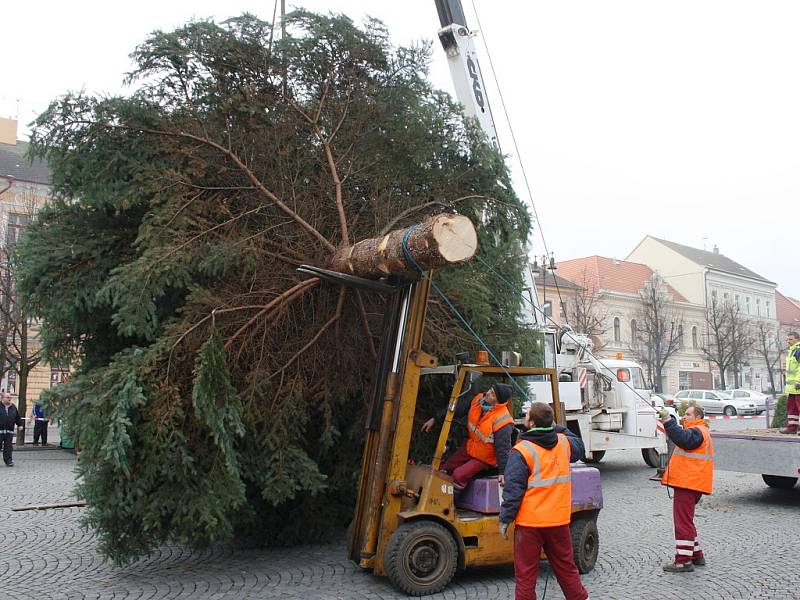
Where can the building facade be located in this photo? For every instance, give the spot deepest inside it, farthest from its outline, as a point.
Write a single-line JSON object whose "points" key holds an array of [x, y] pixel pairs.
{"points": [[616, 286], [708, 278], [24, 188]]}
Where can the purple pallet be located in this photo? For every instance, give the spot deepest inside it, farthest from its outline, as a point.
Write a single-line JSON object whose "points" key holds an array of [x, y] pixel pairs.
{"points": [[483, 494]]}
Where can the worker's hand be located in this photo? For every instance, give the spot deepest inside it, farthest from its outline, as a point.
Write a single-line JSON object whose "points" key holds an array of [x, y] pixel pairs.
{"points": [[501, 479], [663, 414], [428, 425], [504, 530]]}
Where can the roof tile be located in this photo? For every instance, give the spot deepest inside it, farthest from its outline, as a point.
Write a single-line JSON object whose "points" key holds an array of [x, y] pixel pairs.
{"points": [[600, 273]]}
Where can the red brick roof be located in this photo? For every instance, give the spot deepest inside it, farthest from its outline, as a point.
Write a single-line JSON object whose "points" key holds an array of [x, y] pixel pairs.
{"points": [[601, 273], [787, 310]]}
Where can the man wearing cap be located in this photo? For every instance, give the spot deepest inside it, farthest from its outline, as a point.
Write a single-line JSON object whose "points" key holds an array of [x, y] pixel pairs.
{"points": [[9, 418], [490, 428]]}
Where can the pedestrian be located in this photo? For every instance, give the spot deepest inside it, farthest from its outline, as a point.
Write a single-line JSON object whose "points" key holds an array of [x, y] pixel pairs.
{"points": [[9, 418], [538, 498], [490, 427], [792, 387], [690, 474], [40, 423]]}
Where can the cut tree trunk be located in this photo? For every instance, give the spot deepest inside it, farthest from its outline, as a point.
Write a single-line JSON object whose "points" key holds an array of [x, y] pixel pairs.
{"points": [[441, 240]]}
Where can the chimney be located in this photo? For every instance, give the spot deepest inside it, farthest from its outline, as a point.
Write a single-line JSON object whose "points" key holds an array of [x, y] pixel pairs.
{"points": [[716, 249], [8, 131]]}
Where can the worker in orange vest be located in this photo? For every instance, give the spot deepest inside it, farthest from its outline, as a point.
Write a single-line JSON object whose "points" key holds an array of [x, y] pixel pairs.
{"points": [[538, 498], [690, 473], [490, 428]]}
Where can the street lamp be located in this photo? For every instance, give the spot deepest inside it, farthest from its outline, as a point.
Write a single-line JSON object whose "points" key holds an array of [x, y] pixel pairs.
{"points": [[547, 264]]}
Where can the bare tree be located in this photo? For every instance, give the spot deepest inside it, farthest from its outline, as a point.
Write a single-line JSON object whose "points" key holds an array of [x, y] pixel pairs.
{"points": [[729, 339], [658, 332], [743, 340], [768, 347], [587, 314], [20, 350]]}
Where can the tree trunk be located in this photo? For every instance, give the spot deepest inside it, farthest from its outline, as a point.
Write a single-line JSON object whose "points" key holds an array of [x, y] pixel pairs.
{"points": [[22, 379], [770, 371], [443, 239]]}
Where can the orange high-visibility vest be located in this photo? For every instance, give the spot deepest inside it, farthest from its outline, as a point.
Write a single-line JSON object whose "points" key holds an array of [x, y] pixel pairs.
{"points": [[548, 500], [482, 428], [692, 469]]}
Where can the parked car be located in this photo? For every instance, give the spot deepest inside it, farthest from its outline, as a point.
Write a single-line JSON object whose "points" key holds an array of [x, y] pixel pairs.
{"points": [[757, 398], [717, 402]]}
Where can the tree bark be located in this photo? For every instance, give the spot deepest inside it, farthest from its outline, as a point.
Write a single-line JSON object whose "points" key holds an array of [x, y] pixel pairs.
{"points": [[443, 239]]}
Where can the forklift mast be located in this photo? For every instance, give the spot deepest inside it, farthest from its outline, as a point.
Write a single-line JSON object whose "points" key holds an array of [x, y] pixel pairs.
{"points": [[390, 419]]}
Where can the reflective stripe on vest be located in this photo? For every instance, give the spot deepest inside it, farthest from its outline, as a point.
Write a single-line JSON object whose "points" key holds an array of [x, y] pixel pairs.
{"points": [[481, 437], [792, 370], [482, 427], [537, 470], [692, 469], [548, 500]]}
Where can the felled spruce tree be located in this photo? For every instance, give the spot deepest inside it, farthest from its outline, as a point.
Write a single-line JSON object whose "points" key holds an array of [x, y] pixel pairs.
{"points": [[219, 390]]}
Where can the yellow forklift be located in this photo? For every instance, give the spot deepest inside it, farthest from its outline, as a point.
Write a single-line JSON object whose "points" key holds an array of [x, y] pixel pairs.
{"points": [[408, 524]]}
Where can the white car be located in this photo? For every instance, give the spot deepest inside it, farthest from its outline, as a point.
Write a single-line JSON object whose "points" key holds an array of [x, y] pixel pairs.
{"points": [[757, 398], [719, 402]]}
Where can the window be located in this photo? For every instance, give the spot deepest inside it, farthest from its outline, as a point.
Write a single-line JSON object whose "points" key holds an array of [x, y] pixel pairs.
{"points": [[711, 396], [696, 395], [747, 304], [59, 373], [738, 304], [684, 379], [741, 394], [633, 330], [16, 223], [725, 296], [548, 309], [767, 308], [617, 332], [713, 294], [758, 306], [683, 394], [694, 337], [564, 309], [680, 337]]}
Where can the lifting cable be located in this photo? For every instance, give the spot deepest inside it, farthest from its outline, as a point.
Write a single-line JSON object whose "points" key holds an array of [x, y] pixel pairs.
{"points": [[516, 149], [455, 311]]}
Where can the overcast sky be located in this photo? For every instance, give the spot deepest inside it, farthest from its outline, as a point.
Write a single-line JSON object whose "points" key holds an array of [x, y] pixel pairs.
{"points": [[677, 119]]}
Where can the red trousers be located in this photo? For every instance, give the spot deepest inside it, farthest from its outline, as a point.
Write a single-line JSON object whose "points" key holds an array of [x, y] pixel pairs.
{"points": [[463, 467], [793, 411], [557, 544], [687, 547]]}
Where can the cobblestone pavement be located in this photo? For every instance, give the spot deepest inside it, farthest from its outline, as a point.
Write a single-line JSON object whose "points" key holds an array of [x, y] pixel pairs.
{"points": [[751, 534]]}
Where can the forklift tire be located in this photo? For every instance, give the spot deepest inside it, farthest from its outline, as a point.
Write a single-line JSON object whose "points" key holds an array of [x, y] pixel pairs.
{"points": [[597, 456], [585, 543], [421, 558], [651, 457], [780, 482]]}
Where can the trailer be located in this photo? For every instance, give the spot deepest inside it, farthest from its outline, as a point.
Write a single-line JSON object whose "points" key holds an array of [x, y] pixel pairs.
{"points": [[774, 456]]}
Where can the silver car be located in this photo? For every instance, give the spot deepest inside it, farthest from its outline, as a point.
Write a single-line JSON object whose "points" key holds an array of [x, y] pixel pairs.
{"points": [[718, 402], [757, 398]]}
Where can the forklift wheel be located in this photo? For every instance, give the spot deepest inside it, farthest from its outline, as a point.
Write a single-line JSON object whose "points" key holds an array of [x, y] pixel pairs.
{"points": [[597, 456], [585, 543], [421, 558]]}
